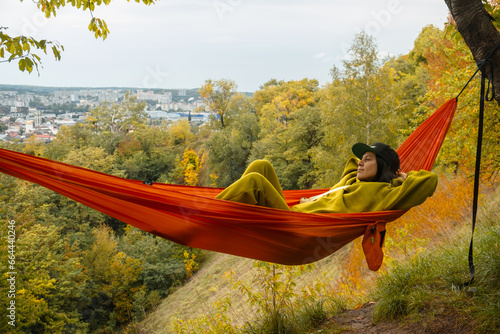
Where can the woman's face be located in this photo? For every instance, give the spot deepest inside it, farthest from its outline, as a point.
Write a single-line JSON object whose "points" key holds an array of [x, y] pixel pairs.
{"points": [[367, 167]]}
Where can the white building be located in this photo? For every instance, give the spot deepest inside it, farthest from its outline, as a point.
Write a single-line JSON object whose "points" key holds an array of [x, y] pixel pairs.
{"points": [[29, 126], [152, 96]]}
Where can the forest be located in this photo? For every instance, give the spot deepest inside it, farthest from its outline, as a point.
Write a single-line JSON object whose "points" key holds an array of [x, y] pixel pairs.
{"points": [[79, 271]]}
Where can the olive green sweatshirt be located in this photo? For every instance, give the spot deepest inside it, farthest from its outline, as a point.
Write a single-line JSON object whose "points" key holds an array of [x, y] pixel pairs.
{"points": [[362, 196]]}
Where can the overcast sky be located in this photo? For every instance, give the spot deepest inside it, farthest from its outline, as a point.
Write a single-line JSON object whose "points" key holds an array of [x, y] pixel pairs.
{"points": [[181, 43]]}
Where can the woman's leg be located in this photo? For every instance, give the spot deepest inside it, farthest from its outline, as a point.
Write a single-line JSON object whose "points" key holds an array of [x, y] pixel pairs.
{"points": [[265, 168], [259, 185]]}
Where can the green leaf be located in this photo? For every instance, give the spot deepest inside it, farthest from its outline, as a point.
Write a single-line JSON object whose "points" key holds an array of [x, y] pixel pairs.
{"points": [[56, 53], [29, 65], [22, 64]]}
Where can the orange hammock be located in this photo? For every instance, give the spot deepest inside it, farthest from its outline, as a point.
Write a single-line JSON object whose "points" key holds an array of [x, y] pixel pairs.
{"points": [[190, 216]]}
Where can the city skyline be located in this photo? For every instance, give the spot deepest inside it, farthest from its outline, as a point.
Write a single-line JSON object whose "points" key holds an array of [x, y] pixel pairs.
{"points": [[24, 114], [180, 44]]}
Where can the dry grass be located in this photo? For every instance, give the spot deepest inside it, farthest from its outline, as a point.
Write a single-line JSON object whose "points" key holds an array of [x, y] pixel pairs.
{"points": [[197, 297]]}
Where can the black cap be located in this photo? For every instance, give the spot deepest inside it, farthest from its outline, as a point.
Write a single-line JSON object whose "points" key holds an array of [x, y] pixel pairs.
{"points": [[382, 150]]}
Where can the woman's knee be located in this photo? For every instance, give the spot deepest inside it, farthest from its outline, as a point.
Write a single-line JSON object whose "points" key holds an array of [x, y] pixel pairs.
{"points": [[253, 178], [259, 166]]}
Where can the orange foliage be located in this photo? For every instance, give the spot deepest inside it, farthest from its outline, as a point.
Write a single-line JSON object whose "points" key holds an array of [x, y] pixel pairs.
{"points": [[449, 64], [128, 146], [446, 76], [444, 210]]}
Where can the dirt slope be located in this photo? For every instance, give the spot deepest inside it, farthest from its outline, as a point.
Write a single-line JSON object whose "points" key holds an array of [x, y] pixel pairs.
{"points": [[360, 321]]}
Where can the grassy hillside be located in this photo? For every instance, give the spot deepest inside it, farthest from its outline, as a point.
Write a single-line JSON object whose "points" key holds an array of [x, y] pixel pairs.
{"points": [[215, 281], [425, 261]]}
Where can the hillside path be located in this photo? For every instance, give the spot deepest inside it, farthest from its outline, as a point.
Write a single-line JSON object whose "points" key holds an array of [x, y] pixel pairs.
{"points": [[360, 320]]}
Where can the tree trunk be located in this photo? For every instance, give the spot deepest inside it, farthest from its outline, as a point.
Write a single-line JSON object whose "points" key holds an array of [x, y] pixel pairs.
{"points": [[475, 26]]}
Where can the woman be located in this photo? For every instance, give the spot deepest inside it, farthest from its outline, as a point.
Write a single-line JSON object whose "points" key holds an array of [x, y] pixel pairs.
{"points": [[372, 183]]}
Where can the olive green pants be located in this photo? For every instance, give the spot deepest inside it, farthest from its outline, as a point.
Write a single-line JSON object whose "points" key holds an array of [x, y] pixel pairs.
{"points": [[259, 185]]}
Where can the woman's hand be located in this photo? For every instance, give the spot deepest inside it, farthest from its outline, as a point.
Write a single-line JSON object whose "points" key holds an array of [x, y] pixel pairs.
{"points": [[401, 175], [304, 200]]}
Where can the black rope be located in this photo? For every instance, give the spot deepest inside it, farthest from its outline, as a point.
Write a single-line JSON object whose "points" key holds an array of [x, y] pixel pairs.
{"points": [[465, 86], [483, 97], [476, 181]]}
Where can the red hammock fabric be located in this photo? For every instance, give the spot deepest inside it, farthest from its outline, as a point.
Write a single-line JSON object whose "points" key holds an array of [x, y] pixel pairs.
{"points": [[190, 216]]}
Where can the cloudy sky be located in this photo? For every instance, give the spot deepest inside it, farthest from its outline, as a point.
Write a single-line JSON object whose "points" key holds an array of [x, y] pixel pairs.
{"points": [[181, 43]]}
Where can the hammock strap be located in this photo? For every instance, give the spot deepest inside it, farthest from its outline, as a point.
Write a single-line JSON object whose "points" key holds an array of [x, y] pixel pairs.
{"points": [[476, 181], [470, 79], [483, 97]]}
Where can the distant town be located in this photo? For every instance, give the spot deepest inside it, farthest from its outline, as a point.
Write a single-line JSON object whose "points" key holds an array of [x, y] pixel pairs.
{"points": [[28, 111]]}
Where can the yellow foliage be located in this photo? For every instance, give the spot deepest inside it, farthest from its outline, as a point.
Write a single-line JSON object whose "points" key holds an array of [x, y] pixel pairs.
{"points": [[114, 272], [214, 323], [276, 100], [213, 179], [191, 165], [217, 95], [34, 146], [190, 264], [179, 132]]}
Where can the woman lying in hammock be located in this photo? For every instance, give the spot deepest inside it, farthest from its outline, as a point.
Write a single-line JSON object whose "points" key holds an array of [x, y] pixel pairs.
{"points": [[374, 182]]}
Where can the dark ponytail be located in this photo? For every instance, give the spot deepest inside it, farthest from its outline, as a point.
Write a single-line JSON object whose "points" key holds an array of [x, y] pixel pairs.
{"points": [[384, 173]]}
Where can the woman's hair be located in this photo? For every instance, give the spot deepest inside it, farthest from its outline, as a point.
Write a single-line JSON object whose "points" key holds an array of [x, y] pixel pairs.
{"points": [[384, 173]]}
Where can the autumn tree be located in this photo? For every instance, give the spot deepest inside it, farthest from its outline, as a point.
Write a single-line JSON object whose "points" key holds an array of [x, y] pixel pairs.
{"points": [[26, 49], [75, 279], [229, 148], [68, 138], [275, 100], [290, 149], [365, 106], [281, 108], [112, 121], [188, 169], [33, 146], [50, 281], [74, 217], [112, 283], [361, 104], [163, 260], [147, 154], [217, 95], [94, 158], [449, 64], [179, 133]]}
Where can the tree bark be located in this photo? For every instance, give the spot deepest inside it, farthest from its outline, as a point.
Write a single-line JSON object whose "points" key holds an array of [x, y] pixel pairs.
{"points": [[474, 24]]}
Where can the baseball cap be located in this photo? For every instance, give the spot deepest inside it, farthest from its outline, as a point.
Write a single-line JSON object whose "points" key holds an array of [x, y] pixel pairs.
{"points": [[382, 150]]}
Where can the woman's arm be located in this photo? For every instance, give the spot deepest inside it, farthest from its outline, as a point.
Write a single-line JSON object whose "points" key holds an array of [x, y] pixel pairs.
{"points": [[348, 177], [416, 186]]}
